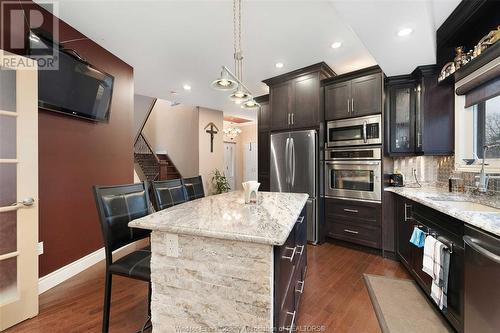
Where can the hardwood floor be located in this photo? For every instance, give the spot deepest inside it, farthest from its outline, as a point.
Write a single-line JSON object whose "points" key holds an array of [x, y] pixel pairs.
{"points": [[76, 305], [335, 297]]}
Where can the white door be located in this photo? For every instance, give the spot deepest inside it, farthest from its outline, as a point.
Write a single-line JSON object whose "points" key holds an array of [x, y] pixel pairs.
{"points": [[18, 189], [229, 151], [250, 162]]}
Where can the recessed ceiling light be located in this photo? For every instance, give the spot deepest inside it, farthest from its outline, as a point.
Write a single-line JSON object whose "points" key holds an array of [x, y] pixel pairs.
{"points": [[187, 87], [405, 32], [279, 65], [336, 45]]}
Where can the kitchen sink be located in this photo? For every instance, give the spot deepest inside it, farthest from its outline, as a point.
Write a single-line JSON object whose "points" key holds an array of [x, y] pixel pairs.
{"points": [[464, 205]]}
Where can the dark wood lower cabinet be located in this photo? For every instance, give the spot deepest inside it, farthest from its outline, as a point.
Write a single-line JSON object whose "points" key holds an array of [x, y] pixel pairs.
{"points": [[448, 230], [290, 265], [354, 221]]}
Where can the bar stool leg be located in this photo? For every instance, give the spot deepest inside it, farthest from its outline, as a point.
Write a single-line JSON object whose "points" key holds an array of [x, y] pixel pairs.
{"points": [[107, 303]]}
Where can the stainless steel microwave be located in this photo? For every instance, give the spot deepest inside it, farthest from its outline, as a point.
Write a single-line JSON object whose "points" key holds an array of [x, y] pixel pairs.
{"points": [[355, 131]]}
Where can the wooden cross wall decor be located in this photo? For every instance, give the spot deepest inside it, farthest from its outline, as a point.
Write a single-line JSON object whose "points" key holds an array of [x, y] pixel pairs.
{"points": [[212, 133]]}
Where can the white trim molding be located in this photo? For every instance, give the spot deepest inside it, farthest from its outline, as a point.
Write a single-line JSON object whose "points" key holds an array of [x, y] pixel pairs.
{"points": [[64, 273]]}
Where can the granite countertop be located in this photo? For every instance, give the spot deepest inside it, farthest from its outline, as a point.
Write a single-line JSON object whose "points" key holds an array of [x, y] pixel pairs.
{"points": [[226, 216], [433, 197]]}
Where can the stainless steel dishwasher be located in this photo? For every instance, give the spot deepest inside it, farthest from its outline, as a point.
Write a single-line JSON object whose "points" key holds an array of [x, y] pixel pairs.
{"points": [[482, 278]]}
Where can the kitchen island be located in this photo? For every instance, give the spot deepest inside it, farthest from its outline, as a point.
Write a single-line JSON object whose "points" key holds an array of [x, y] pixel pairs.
{"points": [[219, 264]]}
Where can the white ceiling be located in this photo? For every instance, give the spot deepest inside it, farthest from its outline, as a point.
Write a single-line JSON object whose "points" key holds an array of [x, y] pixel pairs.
{"points": [[175, 42], [377, 22]]}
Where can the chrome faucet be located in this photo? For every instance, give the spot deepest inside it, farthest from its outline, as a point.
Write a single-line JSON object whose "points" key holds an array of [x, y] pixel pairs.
{"points": [[483, 176]]}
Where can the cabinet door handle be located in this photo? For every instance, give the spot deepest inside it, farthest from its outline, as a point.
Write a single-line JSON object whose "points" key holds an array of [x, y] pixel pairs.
{"points": [[290, 328], [351, 210], [294, 250], [300, 288], [351, 231], [419, 139], [352, 105], [288, 119], [348, 107], [300, 220], [407, 217], [293, 118]]}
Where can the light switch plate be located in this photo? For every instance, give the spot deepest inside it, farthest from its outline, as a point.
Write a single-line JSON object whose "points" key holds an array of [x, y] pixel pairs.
{"points": [[172, 242], [39, 248]]}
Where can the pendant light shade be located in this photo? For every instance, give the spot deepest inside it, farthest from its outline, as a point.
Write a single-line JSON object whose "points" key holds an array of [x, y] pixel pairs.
{"points": [[228, 81], [225, 82], [251, 104], [240, 95]]}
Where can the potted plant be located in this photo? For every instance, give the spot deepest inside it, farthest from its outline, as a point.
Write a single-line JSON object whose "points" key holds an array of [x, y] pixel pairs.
{"points": [[219, 180]]}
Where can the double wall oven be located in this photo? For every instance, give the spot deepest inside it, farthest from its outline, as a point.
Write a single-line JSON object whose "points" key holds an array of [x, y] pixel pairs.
{"points": [[353, 161]]}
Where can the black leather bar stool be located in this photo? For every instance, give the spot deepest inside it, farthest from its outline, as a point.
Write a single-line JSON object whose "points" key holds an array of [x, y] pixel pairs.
{"points": [[168, 193], [194, 187], [117, 206]]}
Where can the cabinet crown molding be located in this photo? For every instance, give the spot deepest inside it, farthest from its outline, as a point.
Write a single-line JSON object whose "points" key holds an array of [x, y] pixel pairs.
{"points": [[350, 75], [321, 67]]}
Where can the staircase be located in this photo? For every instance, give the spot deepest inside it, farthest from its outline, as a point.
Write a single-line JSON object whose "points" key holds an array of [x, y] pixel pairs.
{"points": [[154, 166], [172, 172]]}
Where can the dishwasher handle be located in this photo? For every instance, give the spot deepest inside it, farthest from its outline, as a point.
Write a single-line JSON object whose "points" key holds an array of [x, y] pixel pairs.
{"points": [[490, 255]]}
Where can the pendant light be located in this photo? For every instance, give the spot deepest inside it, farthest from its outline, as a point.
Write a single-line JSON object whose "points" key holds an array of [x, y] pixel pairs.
{"points": [[229, 81], [240, 95], [225, 81], [251, 104]]}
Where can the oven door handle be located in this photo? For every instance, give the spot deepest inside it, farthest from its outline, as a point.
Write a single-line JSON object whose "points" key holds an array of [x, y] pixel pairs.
{"points": [[353, 163]]}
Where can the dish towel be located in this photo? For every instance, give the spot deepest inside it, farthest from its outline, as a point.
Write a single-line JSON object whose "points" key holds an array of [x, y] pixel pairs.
{"points": [[439, 286], [428, 261], [417, 237]]}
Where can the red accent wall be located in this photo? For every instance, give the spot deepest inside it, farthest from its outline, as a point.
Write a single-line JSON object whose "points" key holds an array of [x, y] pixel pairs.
{"points": [[76, 154]]}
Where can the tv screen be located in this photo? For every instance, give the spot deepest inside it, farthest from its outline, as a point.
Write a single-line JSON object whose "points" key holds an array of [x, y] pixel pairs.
{"points": [[70, 84]]}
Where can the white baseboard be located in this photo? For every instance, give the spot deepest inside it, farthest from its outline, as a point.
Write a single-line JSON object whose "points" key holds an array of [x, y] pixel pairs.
{"points": [[51, 280], [62, 274]]}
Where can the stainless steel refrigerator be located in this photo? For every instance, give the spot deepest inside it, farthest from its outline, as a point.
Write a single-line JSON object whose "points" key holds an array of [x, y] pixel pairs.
{"points": [[294, 168]]}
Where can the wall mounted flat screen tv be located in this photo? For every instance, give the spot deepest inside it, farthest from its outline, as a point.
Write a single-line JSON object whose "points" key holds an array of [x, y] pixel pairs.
{"points": [[68, 83]]}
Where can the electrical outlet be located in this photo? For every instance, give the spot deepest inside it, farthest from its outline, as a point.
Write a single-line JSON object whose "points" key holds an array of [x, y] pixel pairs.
{"points": [[172, 245], [39, 248]]}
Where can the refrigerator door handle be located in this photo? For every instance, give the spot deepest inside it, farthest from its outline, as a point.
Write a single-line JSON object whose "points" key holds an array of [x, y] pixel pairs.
{"points": [[292, 157], [287, 173]]}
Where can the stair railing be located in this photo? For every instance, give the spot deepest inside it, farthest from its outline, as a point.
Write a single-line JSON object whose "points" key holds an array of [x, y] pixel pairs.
{"points": [[142, 146]]}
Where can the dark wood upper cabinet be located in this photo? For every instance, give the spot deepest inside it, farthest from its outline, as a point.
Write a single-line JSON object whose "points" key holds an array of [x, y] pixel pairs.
{"points": [[337, 100], [402, 117], [264, 115], [435, 118], [295, 97], [354, 94], [280, 104], [366, 95], [306, 101], [420, 114]]}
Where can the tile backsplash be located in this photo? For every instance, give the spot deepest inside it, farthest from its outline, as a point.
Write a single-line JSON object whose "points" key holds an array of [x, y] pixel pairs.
{"points": [[436, 170]]}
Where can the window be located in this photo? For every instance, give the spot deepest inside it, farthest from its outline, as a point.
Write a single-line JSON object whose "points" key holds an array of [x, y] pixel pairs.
{"points": [[475, 127], [487, 127]]}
